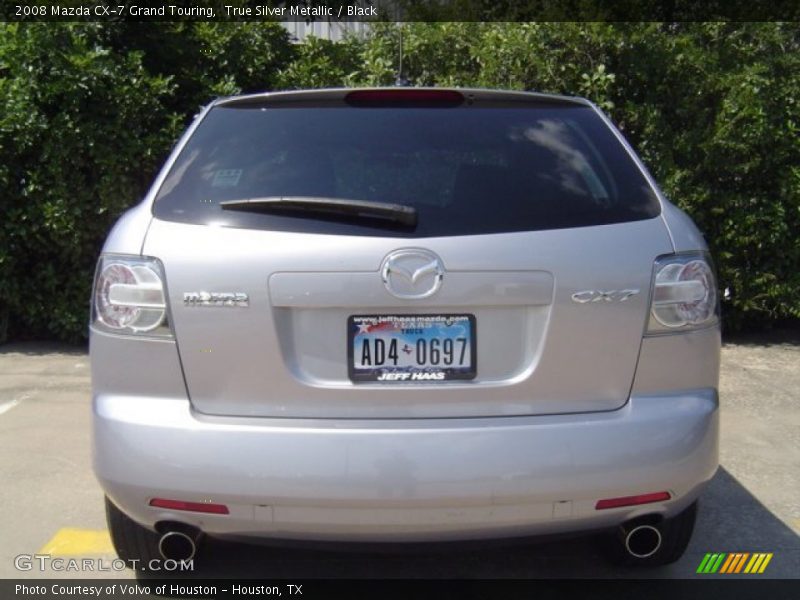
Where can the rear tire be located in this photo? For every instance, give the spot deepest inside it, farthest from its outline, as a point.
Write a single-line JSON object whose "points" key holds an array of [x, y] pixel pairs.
{"points": [[676, 533], [133, 542]]}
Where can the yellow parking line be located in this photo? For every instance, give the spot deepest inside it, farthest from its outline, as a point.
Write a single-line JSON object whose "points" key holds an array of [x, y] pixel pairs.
{"points": [[78, 542]]}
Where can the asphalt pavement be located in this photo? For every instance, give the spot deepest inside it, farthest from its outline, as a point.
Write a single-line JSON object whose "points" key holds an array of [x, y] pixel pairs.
{"points": [[51, 503]]}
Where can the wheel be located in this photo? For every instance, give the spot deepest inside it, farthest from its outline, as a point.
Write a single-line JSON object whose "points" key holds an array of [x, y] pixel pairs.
{"points": [[132, 542], [637, 549]]}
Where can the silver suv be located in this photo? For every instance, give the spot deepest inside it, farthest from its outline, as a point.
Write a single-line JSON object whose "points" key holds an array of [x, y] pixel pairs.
{"points": [[399, 315]]}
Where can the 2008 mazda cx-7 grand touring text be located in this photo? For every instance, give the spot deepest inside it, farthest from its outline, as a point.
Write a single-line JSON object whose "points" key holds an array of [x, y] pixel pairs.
{"points": [[404, 314]]}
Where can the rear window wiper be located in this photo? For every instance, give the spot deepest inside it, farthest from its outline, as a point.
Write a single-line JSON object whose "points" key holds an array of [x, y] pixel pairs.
{"points": [[393, 213]]}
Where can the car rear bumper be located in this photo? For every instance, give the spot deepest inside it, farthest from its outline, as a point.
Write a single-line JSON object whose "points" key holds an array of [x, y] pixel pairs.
{"points": [[404, 480]]}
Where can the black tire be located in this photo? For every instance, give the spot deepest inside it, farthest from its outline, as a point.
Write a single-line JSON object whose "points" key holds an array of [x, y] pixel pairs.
{"points": [[675, 535], [133, 542]]}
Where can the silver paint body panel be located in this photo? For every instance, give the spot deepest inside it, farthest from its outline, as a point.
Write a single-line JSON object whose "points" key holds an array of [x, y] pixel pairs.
{"points": [[394, 480], [252, 407], [284, 355]]}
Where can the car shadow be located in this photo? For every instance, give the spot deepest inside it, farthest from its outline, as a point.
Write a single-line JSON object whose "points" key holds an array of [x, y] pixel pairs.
{"points": [[779, 336], [40, 348], [730, 519]]}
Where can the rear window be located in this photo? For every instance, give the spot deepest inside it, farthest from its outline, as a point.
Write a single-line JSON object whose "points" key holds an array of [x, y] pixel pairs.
{"points": [[466, 170]]}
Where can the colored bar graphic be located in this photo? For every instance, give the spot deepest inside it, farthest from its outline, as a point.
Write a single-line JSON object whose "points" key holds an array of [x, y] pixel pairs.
{"points": [[728, 563], [765, 563], [717, 563], [709, 563], [754, 562], [703, 563], [734, 562], [740, 564]]}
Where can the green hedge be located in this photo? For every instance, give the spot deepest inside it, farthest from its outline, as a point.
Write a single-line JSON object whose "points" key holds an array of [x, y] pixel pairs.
{"points": [[91, 110]]}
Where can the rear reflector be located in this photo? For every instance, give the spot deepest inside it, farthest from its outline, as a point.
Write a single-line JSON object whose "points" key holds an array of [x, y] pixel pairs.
{"points": [[632, 500], [405, 97], [203, 507]]}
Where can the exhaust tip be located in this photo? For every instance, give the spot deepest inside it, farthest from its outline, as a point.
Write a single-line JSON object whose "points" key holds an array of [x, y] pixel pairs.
{"points": [[177, 545], [643, 541]]}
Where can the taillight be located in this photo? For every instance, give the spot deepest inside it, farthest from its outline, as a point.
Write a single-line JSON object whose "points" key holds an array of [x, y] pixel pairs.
{"points": [[129, 296], [684, 293]]}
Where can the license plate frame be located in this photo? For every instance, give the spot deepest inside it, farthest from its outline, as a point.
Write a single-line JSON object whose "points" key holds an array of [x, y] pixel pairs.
{"points": [[405, 328]]}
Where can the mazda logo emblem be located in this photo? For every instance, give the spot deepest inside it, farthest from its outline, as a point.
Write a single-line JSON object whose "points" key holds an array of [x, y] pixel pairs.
{"points": [[412, 274]]}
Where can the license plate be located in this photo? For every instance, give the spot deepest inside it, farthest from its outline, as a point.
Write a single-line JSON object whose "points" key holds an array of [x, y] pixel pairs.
{"points": [[411, 348]]}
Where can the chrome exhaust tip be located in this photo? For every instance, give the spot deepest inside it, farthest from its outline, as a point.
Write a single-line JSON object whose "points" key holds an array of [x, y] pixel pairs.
{"points": [[641, 541], [177, 545]]}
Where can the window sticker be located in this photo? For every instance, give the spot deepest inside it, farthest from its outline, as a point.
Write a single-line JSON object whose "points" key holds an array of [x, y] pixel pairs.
{"points": [[226, 178]]}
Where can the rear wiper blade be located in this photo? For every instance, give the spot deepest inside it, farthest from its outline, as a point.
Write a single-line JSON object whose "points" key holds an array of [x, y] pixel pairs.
{"points": [[395, 213]]}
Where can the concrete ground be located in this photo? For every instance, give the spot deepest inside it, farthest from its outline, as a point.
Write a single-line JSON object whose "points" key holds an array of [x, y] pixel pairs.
{"points": [[52, 504]]}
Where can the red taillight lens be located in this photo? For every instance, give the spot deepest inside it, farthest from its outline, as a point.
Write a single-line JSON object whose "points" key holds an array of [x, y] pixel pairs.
{"points": [[405, 97], [632, 500], [203, 507]]}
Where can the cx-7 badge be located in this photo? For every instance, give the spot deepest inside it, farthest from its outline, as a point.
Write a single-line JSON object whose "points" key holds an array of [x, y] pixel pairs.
{"points": [[603, 295]]}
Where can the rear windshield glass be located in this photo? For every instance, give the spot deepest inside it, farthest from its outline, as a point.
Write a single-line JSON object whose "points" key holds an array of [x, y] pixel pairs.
{"points": [[465, 170]]}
